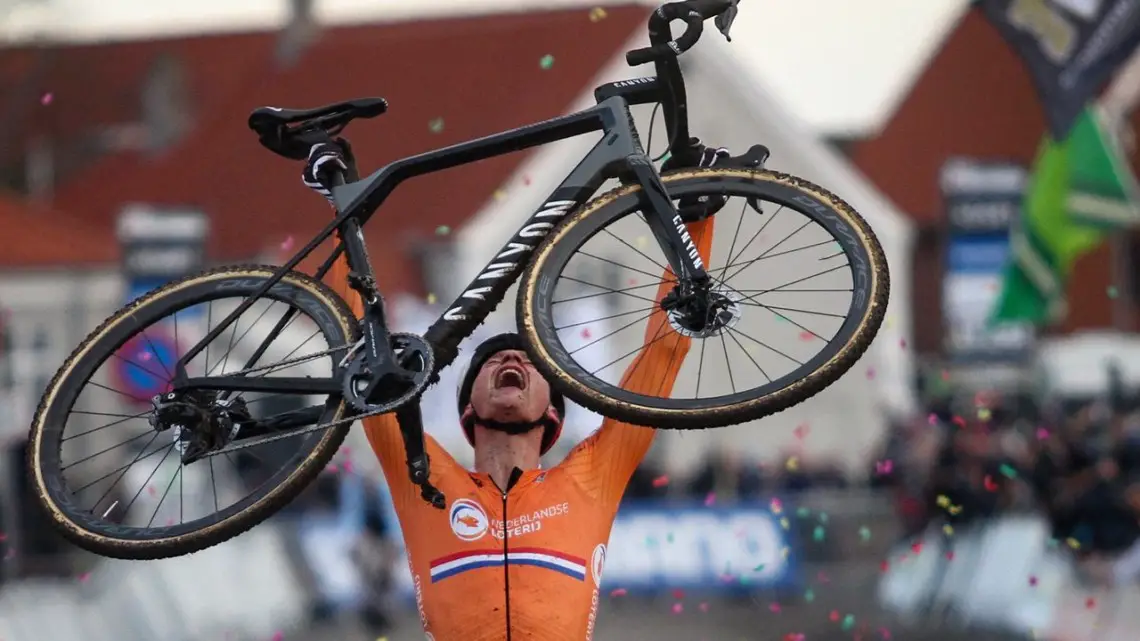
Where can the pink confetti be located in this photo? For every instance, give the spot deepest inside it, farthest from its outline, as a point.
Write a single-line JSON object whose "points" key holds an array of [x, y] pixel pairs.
{"points": [[1090, 603], [346, 450], [884, 467], [777, 506], [884, 566], [332, 469], [150, 490], [586, 333], [932, 419], [710, 499], [1032, 580], [916, 547], [801, 431], [661, 481], [10, 554], [902, 343], [704, 607], [822, 578], [619, 592], [870, 373], [3, 537], [794, 636], [989, 484], [1042, 433], [678, 595], [678, 608], [144, 356], [950, 555], [632, 282], [287, 244], [833, 615], [885, 633], [346, 466], [775, 607], [278, 636], [169, 522], [806, 336], [526, 180], [83, 577], [46, 99]]}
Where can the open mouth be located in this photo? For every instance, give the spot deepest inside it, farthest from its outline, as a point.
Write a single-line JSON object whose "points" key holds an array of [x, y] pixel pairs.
{"points": [[510, 376]]}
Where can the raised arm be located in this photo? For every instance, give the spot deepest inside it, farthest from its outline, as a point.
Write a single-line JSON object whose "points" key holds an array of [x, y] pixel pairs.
{"points": [[606, 460], [383, 431]]}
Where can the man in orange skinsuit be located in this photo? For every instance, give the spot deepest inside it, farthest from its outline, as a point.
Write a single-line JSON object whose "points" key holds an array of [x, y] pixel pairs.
{"points": [[518, 553]]}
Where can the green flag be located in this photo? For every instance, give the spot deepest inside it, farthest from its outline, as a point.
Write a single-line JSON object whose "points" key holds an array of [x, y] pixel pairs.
{"points": [[1081, 190]]}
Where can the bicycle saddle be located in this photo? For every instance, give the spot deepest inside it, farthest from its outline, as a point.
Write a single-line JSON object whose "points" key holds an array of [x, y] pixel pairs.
{"points": [[291, 132]]}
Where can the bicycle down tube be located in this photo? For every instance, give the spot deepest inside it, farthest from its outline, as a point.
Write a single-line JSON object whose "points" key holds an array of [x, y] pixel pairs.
{"points": [[618, 153]]}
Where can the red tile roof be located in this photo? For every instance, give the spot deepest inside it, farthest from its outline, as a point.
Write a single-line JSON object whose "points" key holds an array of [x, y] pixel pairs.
{"points": [[32, 237], [478, 75]]}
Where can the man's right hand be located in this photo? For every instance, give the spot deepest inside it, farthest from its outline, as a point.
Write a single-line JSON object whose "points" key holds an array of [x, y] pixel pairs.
{"points": [[325, 157]]}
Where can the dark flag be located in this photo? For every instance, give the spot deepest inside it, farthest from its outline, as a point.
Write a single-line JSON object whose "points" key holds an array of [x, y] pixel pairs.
{"points": [[1071, 47]]}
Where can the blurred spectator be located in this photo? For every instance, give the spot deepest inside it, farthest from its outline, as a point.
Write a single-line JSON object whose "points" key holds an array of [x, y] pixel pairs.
{"points": [[728, 476]]}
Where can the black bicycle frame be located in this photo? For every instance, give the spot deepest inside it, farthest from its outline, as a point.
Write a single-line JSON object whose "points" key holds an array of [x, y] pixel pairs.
{"points": [[618, 154]]}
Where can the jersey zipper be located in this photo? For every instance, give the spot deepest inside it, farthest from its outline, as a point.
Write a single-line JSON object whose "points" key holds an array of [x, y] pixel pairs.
{"points": [[516, 474]]}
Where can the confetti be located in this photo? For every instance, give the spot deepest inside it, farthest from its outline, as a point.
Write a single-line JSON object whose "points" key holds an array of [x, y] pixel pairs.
{"points": [[1033, 580], [1042, 433], [932, 419], [884, 467], [916, 547], [949, 531], [499, 194], [704, 607], [546, 62], [47, 99], [287, 244], [823, 517], [884, 566], [822, 578], [597, 14], [943, 501], [1073, 543], [1090, 603], [642, 242], [347, 467], [332, 468], [803, 512], [1112, 292], [526, 181], [678, 595], [278, 636], [669, 537], [784, 523], [586, 333], [833, 615], [619, 592], [1008, 471], [710, 499], [775, 608], [989, 483], [818, 533], [144, 356], [436, 125], [776, 506], [678, 608], [431, 299], [758, 568], [885, 633], [870, 373], [802, 430], [848, 622], [793, 464], [864, 534], [442, 230], [984, 414], [902, 343], [809, 596], [806, 336], [661, 481], [84, 577], [3, 537], [950, 555]]}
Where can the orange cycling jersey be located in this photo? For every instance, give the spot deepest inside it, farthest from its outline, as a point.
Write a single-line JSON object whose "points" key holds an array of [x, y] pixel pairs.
{"points": [[523, 562]]}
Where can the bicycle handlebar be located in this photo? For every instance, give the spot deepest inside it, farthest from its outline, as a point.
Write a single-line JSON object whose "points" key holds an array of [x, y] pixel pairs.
{"points": [[694, 13]]}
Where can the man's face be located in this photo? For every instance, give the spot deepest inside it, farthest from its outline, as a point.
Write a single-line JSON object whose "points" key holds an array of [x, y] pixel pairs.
{"points": [[509, 389]]}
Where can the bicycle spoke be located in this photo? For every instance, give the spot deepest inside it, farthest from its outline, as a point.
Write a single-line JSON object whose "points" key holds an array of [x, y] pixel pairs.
{"points": [[764, 345], [742, 348], [103, 427], [169, 449], [623, 327], [605, 318], [609, 290], [177, 474]]}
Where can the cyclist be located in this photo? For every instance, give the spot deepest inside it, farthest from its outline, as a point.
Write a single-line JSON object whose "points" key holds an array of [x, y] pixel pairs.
{"points": [[518, 552]]}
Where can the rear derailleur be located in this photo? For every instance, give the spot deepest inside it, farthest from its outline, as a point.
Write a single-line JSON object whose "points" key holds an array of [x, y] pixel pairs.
{"points": [[201, 421]]}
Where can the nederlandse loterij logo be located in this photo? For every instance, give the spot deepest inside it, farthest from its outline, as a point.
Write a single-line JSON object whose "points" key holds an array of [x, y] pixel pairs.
{"points": [[468, 520]]}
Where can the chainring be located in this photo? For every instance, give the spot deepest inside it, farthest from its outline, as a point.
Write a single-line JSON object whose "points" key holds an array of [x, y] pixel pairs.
{"points": [[412, 351]]}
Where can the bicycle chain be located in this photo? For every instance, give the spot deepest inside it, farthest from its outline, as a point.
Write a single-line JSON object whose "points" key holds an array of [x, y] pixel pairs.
{"points": [[241, 445]]}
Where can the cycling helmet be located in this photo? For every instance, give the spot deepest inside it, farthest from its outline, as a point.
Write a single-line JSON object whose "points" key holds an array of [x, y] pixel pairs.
{"points": [[483, 353]]}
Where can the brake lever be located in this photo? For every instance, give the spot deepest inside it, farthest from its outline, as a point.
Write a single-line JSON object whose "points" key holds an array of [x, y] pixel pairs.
{"points": [[724, 21]]}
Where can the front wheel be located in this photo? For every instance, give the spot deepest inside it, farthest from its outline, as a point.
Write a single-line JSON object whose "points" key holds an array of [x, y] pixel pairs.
{"points": [[786, 257]]}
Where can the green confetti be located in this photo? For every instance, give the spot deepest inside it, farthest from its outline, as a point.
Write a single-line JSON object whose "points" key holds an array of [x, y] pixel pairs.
{"points": [[817, 534], [650, 541], [1008, 471], [823, 517], [669, 537], [848, 622], [809, 596], [1112, 291], [436, 125], [865, 534], [758, 568], [546, 61], [803, 512], [442, 230]]}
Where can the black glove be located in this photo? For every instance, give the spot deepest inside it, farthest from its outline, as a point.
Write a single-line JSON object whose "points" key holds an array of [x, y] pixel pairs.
{"points": [[323, 158]]}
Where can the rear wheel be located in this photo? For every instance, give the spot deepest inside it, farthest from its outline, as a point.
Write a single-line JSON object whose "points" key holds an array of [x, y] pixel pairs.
{"points": [[764, 306], [114, 482]]}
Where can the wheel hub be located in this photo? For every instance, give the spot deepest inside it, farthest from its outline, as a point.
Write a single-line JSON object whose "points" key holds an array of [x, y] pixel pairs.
{"points": [[705, 314], [199, 421]]}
